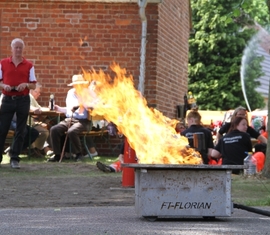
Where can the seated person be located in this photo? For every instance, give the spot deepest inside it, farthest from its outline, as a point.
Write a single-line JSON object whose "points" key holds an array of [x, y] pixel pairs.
{"points": [[115, 166], [232, 147], [195, 127], [41, 143], [77, 121], [180, 127], [240, 112]]}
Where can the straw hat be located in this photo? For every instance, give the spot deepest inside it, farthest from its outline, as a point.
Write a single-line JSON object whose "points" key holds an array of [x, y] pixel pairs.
{"points": [[77, 79]]}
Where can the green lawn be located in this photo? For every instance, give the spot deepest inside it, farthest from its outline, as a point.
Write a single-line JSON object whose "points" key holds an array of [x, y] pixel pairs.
{"points": [[25, 159], [39, 167], [249, 191]]}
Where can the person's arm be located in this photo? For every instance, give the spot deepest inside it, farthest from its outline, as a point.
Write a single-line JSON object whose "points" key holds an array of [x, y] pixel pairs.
{"points": [[216, 151], [209, 153], [5, 87], [23, 86], [31, 86], [35, 110], [262, 139], [215, 154], [255, 134], [60, 109]]}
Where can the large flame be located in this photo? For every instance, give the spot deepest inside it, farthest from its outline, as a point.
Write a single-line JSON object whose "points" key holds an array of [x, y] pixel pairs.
{"points": [[148, 131]]}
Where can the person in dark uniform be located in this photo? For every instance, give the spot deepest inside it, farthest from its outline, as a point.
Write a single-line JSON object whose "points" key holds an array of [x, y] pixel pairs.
{"points": [[240, 112], [195, 127], [233, 147]]}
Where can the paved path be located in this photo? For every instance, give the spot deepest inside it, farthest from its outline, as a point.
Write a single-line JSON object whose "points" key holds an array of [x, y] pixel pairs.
{"points": [[123, 221]]}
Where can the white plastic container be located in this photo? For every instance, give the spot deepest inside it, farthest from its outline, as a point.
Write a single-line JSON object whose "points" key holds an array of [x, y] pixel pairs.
{"points": [[251, 163]]}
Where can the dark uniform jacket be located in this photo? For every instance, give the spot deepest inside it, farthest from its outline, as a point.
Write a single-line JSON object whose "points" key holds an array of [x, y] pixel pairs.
{"points": [[251, 131], [208, 139], [234, 147]]}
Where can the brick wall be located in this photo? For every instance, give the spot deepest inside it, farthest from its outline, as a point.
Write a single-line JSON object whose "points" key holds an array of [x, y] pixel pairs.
{"points": [[172, 55], [110, 32]]}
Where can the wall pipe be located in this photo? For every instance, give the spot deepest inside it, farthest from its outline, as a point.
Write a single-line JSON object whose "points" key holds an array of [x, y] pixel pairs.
{"points": [[142, 4]]}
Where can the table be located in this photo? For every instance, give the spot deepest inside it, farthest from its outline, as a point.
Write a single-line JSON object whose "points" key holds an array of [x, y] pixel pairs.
{"points": [[47, 112], [51, 114]]}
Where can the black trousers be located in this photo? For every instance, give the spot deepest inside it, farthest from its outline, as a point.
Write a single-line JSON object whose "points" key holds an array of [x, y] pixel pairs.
{"points": [[11, 105], [31, 134]]}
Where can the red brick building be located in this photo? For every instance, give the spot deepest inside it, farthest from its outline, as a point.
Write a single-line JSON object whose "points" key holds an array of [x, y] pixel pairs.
{"points": [[110, 30]]}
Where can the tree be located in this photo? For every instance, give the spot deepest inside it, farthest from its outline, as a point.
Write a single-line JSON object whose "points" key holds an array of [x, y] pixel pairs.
{"points": [[266, 170], [262, 19], [216, 50], [268, 5]]}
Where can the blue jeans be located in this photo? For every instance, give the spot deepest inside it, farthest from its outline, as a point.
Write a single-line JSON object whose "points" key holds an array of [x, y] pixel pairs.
{"points": [[18, 105]]}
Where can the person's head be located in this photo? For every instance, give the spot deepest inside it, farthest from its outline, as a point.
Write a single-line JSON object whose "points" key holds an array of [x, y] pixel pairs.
{"points": [[17, 46], [239, 123], [36, 93], [239, 112], [179, 127], [193, 118], [78, 80]]}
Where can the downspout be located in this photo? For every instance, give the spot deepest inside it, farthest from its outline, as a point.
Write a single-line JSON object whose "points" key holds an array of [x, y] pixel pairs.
{"points": [[142, 4]]}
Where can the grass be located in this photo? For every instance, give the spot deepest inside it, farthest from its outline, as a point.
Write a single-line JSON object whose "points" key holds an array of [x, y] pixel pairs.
{"points": [[249, 191], [41, 168], [25, 159]]}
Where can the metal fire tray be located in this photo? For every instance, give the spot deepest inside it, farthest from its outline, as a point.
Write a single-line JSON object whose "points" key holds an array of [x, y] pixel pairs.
{"points": [[174, 190]]}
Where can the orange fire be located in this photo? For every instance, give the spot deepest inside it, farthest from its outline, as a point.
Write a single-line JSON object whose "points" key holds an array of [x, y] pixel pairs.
{"points": [[149, 132], [82, 41]]}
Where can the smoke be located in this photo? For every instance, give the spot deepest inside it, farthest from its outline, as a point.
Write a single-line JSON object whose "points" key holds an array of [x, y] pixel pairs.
{"points": [[256, 47]]}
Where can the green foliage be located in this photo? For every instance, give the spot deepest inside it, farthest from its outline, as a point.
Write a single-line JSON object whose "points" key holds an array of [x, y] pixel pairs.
{"points": [[268, 5], [216, 50], [257, 10]]}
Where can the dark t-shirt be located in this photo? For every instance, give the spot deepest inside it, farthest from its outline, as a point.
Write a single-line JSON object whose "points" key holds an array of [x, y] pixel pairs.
{"points": [[233, 147], [208, 139], [225, 128]]}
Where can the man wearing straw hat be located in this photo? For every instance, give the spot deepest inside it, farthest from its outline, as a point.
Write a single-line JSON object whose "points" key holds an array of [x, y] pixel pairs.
{"points": [[76, 122]]}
